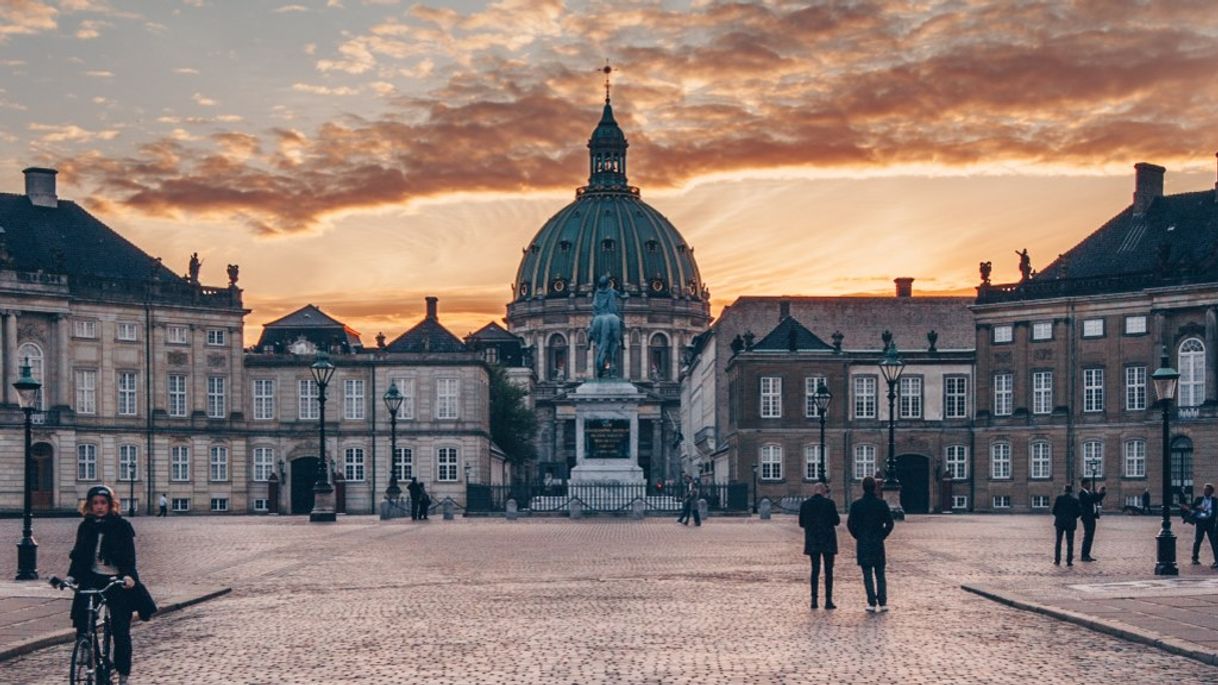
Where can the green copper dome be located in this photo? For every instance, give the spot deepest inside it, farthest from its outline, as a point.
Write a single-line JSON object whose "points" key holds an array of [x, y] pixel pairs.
{"points": [[608, 230]]}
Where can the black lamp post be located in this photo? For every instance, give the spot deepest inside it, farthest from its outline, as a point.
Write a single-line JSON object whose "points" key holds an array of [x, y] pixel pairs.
{"points": [[821, 399], [1165, 379], [27, 550], [892, 367], [323, 492], [754, 487], [393, 402]]}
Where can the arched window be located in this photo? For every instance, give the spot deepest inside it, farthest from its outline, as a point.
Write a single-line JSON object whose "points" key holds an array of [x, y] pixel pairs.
{"points": [[30, 353], [1192, 373], [657, 358], [556, 350]]}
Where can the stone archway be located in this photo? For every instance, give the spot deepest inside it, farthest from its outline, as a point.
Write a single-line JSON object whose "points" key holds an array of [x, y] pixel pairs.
{"points": [[913, 471], [42, 476], [303, 476]]}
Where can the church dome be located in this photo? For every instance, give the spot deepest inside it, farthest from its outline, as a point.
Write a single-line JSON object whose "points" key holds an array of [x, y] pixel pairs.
{"points": [[608, 230]]}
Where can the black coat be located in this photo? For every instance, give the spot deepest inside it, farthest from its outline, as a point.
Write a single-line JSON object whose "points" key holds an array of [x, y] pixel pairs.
{"points": [[1088, 501], [819, 518], [1066, 511], [117, 550], [870, 522], [1196, 509]]}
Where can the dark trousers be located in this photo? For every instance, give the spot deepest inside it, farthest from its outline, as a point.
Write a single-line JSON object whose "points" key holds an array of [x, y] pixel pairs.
{"points": [[876, 585], [120, 620], [164, 511], [414, 508], [1204, 528], [1068, 533], [1088, 536], [816, 566], [690, 508]]}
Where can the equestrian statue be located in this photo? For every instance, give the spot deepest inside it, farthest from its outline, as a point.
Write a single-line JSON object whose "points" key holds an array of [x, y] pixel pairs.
{"points": [[605, 330]]}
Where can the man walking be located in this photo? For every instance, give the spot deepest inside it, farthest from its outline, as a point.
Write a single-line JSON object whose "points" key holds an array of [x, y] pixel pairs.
{"points": [[1203, 510], [869, 523], [819, 519], [415, 490], [1065, 520], [689, 505], [1089, 502], [163, 503]]}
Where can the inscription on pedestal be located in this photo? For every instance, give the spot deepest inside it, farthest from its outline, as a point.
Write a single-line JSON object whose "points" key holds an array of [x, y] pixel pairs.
{"points": [[607, 439]]}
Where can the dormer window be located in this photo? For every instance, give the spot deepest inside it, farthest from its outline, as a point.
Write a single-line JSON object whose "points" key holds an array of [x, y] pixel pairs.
{"points": [[607, 245], [652, 246], [564, 245]]}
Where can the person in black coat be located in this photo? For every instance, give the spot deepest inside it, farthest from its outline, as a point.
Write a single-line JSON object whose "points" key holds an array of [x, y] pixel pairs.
{"points": [[1090, 503], [689, 504], [819, 519], [1066, 511], [424, 502], [870, 522], [1202, 514], [415, 490]]}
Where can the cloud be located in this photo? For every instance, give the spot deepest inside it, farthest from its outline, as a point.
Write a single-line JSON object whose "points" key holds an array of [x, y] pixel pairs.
{"points": [[90, 29], [284, 9], [70, 133], [324, 90], [203, 101], [186, 70], [100, 73], [26, 16]]}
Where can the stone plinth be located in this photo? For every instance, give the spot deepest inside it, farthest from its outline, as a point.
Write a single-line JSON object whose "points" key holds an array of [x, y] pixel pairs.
{"points": [[607, 433]]}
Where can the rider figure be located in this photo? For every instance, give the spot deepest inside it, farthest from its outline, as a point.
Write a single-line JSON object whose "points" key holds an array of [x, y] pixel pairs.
{"points": [[604, 335]]}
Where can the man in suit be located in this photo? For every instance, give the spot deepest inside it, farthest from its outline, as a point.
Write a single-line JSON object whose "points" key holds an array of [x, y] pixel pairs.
{"points": [[819, 519], [689, 505], [1203, 511], [1089, 502], [869, 523], [1065, 520]]}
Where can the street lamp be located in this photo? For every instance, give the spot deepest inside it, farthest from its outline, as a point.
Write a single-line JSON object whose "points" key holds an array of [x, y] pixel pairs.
{"points": [[754, 487], [27, 550], [393, 402], [323, 492], [821, 399], [1165, 379], [892, 367]]}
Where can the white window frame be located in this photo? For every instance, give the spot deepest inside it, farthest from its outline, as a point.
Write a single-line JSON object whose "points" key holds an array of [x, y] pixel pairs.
{"points": [[1042, 392], [955, 399], [86, 391], [177, 334], [1039, 501], [811, 385], [1191, 392], [1093, 328], [217, 401], [1003, 333], [405, 463], [448, 397], [1040, 460], [955, 460], [84, 328], [128, 463], [812, 462], [353, 464], [177, 401], [86, 461], [909, 397], [127, 386], [217, 464], [1001, 501], [1134, 458], [770, 459], [1135, 388], [262, 505], [219, 504], [1000, 460], [959, 502], [354, 399], [179, 463], [308, 407], [264, 399], [31, 353], [1093, 390], [864, 393], [864, 461], [179, 504], [127, 331], [263, 463], [406, 388], [770, 397], [447, 462], [1091, 450], [1042, 330], [217, 337], [1135, 324], [1004, 394]]}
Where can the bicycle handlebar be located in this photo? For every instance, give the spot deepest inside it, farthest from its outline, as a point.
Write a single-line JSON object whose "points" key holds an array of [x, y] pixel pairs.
{"points": [[61, 583]]}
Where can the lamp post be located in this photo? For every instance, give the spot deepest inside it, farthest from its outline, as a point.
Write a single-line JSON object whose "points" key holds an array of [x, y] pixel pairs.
{"points": [[27, 550], [821, 399], [754, 487], [892, 367], [323, 492], [1093, 465], [1165, 379], [393, 402]]}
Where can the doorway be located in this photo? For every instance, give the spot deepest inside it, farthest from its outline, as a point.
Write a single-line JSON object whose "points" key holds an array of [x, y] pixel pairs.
{"points": [[42, 477], [304, 475], [913, 471]]}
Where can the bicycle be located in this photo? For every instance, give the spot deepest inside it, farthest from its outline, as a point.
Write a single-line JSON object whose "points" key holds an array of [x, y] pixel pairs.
{"points": [[91, 657]]}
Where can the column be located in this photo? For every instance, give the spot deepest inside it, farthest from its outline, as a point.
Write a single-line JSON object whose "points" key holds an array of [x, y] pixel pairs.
{"points": [[1211, 355], [10, 355], [659, 451], [625, 370], [63, 395]]}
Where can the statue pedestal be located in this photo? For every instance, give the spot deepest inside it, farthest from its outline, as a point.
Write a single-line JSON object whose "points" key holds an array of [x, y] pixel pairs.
{"points": [[607, 433]]}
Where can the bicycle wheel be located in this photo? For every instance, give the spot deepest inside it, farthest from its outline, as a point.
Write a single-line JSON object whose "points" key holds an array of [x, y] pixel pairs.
{"points": [[84, 663]]}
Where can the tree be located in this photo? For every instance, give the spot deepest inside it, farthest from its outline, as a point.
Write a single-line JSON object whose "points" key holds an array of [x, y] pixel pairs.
{"points": [[513, 424]]}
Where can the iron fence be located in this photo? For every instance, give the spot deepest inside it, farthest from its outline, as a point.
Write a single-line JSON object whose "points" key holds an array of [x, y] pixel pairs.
{"points": [[603, 497]]}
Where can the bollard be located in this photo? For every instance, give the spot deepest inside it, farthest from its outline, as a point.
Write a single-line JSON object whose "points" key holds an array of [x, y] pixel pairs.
{"points": [[510, 510], [637, 509], [448, 510], [577, 509], [703, 509], [764, 509]]}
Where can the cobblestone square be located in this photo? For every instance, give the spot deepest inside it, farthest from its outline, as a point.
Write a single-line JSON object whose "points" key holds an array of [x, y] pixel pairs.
{"points": [[608, 601]]}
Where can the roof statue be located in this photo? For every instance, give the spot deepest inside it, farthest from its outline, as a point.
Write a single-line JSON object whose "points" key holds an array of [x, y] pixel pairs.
{"points": [[193, 270], [1025, 264]]}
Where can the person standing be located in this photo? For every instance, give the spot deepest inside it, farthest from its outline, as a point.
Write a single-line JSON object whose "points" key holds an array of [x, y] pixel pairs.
{"points": [[870, 522], [819, 518], [1066, 511], [163, 503], [424, 502], [1203, 511], [415, 490], [1089, 502], [689, 505], [1146, 501]]}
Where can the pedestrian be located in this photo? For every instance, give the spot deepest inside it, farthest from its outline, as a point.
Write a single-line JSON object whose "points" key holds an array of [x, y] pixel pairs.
{"points": [[1090, 503], [1146, 501], [105, 548], [819, 518], [870, 522], [689, 504], [1203, 512], [163, 503], [424, 502], [415, 490], [1066, 511]]}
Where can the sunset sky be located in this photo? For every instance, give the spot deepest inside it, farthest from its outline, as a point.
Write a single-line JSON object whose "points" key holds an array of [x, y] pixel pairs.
{"points": [[361, 154]]}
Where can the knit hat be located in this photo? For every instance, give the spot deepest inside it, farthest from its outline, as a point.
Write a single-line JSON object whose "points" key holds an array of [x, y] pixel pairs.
{"points": [[99, 490]]}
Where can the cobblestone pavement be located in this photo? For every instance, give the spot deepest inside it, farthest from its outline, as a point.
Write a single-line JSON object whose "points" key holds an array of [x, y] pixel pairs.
{"points": [[609, 601]]}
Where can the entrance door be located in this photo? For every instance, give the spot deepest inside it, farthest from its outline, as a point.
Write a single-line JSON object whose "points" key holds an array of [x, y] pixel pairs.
{"points": [[42, 477], [1182, 468], [913, 470], [304, 475]]}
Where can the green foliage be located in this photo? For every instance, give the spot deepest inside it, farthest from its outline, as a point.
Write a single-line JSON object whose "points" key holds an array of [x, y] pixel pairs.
{"points": [[513, 424]]}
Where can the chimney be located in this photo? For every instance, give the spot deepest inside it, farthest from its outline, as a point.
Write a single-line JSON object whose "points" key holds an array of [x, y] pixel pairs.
{"points": [[431, 307], [784, 309], [40, 187], [1148, 185], [904, 286]]}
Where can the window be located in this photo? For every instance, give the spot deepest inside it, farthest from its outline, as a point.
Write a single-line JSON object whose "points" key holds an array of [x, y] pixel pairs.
{"points": [[557, 351], [84, 328], [812, 462], [179, 463], [1004, 333], [215, 337], [264, 463], [1135, 325], [31, 354], [127, 393], [955, 397], [864, 461], [219, 504], [1042, 330], [491, 355], [1093, 459], [1093, 390], [446, 464], [177, 395], [354, 464], [1002, 501], [127, 331], [86, 462], [864, 397], [215, 397], [811, 385], [1004, 394], [959, 501], [353, 399], [406, 387], [1042, 392], [658, 366], [1040, 501], [956, 461], [218, 464], [404, 462], [771, 462], [181, 504], [771, 397], [86, 391], [1093, 328], [262, 505], [177, 335], [1192, 373], [264, 400], [446, 398], [1000, 461], [308, 407], [128, 505], [909, 400], [128, 462], [1040, 460], [1135, 459], [1135, 388]]}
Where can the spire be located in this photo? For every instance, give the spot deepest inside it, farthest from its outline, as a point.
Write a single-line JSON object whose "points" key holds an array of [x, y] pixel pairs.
{"points": [[608, 70], [607, 148]]}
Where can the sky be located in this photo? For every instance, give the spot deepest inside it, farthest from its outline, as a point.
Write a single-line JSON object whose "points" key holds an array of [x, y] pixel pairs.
{"points": [[362, 154]]}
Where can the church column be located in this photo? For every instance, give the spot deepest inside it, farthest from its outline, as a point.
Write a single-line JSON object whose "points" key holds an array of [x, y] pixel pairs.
{"points": [[625, 370], [1211, 355], [659, 453], [10, 355], [674, 358], [63, 396]]}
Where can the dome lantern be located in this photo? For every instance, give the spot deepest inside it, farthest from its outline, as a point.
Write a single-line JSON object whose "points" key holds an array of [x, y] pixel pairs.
{"points": [[607, 150]]}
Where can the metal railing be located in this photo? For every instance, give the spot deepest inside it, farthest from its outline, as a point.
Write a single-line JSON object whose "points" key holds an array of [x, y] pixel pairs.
{"points": [[603, 497]]}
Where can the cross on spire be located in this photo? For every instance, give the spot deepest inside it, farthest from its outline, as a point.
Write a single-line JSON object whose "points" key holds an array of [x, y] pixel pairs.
{"points": [[607, 69]]}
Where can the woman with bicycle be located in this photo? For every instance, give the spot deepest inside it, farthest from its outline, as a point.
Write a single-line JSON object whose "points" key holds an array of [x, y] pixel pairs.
{"points": [[105, 548]]}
